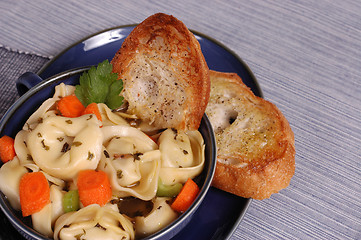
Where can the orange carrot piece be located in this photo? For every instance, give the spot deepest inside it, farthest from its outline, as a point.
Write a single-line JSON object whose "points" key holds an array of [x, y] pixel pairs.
{"points": [[93, 109], [93, 187], [186, 196], [70, 106], [7, 150], [34, 192]]}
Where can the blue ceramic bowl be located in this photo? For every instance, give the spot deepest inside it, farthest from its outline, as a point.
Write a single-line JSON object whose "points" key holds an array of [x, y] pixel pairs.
{"points": [[34, 91]]}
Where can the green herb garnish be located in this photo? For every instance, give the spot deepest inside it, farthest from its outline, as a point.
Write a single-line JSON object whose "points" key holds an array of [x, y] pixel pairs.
{"points": [[100, 85]]}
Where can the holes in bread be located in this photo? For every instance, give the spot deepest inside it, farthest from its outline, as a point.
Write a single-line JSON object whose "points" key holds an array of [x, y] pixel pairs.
{"points": [[221, 117], [232, 119], [231, 116]]}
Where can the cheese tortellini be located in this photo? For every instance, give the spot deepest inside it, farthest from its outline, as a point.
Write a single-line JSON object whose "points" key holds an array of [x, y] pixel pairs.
{"points": [[48, 108], [160, 216], [44, 220], [182, 155], [94, 222], [60, 147], [10, 174], [132, 161]]}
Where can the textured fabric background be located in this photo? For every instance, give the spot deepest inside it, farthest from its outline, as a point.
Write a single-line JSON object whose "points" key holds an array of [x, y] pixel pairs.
{"points": [[306, 56]]}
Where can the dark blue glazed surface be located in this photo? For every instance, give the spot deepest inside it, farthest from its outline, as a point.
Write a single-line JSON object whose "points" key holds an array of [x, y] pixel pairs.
{"points": [[220, 212]]}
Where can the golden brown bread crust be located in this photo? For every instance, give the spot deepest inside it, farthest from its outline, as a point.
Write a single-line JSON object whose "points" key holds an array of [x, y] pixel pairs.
{"points": [[255, 151], [163, 57]]}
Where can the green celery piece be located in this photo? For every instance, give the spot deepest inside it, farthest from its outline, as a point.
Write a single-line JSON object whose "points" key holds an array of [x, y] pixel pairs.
{"points": [[71, 201], [168, 190]]}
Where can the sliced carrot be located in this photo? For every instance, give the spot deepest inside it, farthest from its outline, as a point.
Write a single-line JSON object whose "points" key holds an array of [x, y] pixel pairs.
{"points": [[93, 187], [70, 106], [7, 150], [186, 196], [93, 109], [34, 192]]}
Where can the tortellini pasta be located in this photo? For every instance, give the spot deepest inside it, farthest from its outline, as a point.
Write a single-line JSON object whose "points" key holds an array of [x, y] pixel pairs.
{"points": [[43, 221], [110, 118], [48, 109], [10, 174], [60, 147], [22, 151], [182, 155], [132, 161], [161, 215], [94, 222]]}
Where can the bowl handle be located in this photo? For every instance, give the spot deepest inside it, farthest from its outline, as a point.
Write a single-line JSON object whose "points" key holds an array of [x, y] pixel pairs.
{"points": [[27, 81]]}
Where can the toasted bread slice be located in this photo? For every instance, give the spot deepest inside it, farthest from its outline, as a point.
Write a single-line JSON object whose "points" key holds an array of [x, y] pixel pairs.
{"points": [[165, 75], [255, 144]]}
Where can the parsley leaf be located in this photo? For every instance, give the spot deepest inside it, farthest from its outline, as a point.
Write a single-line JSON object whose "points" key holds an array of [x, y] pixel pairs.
{"points": [[100, 85], [113, 98]]}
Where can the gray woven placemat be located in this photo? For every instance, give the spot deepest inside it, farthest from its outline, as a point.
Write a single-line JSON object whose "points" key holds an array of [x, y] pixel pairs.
{"points": [[12, 65]]}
